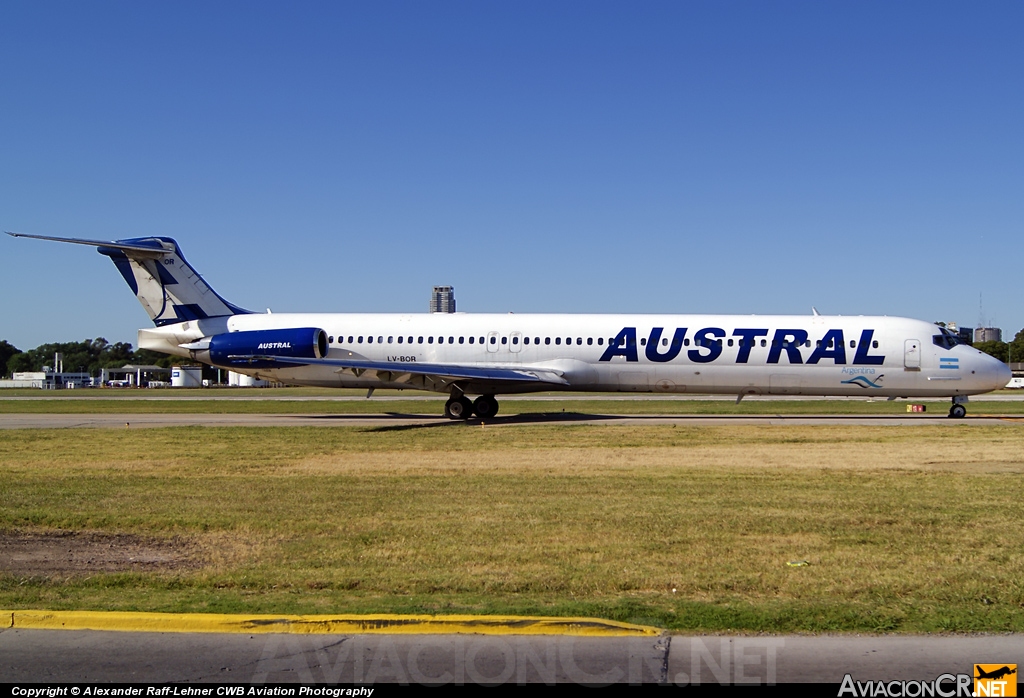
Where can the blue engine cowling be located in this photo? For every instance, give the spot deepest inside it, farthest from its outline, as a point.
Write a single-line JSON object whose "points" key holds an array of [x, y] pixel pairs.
{"points": [[241, 348]]}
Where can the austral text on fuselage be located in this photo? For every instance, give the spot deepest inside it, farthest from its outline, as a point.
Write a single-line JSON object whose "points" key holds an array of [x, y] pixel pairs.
{"points": [[708, 343]]}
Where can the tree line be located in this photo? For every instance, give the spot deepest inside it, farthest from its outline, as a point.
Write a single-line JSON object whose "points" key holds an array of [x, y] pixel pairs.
{"points": [[89, 356], [1007, 352]]}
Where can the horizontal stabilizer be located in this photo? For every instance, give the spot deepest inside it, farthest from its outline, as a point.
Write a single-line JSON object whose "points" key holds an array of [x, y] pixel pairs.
{"points": [[167, 286], [151, 249]]}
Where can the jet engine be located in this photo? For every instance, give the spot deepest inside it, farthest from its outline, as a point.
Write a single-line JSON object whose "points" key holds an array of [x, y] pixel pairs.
{"points": [[257, 348]]}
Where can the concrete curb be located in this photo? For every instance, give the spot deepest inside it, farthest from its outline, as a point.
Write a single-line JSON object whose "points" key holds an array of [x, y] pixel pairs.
{"points": [[379, 624]]}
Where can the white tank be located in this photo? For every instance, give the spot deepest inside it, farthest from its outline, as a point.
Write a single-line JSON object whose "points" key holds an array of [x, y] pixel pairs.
{"points": [[241, 380], [186, 376]]}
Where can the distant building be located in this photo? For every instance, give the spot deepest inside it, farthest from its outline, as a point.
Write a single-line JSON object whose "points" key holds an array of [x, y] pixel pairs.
{"points": [[442, 300], [964, 334], [988, 334], [47, 379], [134, 376]]}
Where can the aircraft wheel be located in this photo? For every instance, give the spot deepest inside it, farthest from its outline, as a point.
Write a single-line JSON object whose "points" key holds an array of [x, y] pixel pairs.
{"points": [[485, 406], [458, 408], [958, 411]]}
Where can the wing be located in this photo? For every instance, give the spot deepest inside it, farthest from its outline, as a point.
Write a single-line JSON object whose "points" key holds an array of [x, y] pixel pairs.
{"points": [[394, 371]]}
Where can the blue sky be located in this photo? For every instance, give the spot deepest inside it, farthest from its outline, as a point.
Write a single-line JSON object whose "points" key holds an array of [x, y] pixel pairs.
{"points": [[739, 157]]}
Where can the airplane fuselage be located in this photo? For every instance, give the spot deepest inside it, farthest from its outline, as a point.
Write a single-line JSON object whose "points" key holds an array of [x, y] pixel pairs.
{"points": [[488, 354], [715, 354]]}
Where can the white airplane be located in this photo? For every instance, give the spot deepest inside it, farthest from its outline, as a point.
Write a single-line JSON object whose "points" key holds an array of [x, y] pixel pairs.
{"points": [[488, 354]]}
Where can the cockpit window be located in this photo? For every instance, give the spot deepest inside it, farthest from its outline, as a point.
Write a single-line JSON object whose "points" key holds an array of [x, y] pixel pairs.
{"points": [[946, 340]]}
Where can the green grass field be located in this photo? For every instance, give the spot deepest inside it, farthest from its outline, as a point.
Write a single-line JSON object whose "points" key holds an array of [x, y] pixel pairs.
{"points": [[912, 529]]}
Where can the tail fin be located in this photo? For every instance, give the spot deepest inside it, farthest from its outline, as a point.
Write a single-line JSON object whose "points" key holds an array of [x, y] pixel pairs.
{"points": [[167, 286]]}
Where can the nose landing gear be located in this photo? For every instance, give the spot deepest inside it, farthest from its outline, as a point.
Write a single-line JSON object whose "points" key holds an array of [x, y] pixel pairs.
{"points": [[958, 410]]}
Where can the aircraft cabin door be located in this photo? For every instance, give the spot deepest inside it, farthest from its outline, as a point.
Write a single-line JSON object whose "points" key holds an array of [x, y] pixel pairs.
{"points": [[515, 342], [492, 342], [912, 354]]}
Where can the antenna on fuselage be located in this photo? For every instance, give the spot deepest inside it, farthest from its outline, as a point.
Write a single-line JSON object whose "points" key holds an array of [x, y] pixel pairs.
{"points": [[815, 312]]}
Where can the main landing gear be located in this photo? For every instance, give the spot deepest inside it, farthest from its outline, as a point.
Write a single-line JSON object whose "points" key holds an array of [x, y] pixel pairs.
{"points": [[958, 410], [460, 407]]}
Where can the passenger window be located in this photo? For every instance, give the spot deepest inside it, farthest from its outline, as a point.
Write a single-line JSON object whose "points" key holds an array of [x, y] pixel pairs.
{"points": [[853, 344], [664, 341], [420, 340], [600, 341], [730, 342], [526, 340], [409, 340], [360, 339], [558, 340], [590, 341], [391, 340], [874, 344], [547, 340], [504, 340], [330, 339], [686, 342], [515, 340], [451, 340], [471, 340], [481, 340], [462, 340], [494, 340], [400, 340], [643, 341], [440, 340], [764, 342]]}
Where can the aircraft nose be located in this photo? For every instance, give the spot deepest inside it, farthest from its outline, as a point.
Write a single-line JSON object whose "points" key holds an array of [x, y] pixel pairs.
{"points": [[995, 373]]}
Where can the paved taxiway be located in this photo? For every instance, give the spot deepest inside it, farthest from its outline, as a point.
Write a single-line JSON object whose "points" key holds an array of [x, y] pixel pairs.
{"points": [[137, 421], [95, 656]]}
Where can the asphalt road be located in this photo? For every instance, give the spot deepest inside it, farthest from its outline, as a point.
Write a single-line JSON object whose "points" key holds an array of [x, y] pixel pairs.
{"points": [[94, 656]]}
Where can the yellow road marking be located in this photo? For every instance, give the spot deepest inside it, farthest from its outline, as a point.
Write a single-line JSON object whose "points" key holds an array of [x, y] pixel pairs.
{"points": [[129, 621]]}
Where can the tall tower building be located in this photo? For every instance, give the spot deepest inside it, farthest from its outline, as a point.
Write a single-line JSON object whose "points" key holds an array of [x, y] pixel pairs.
{"points": [[442, 300]]}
